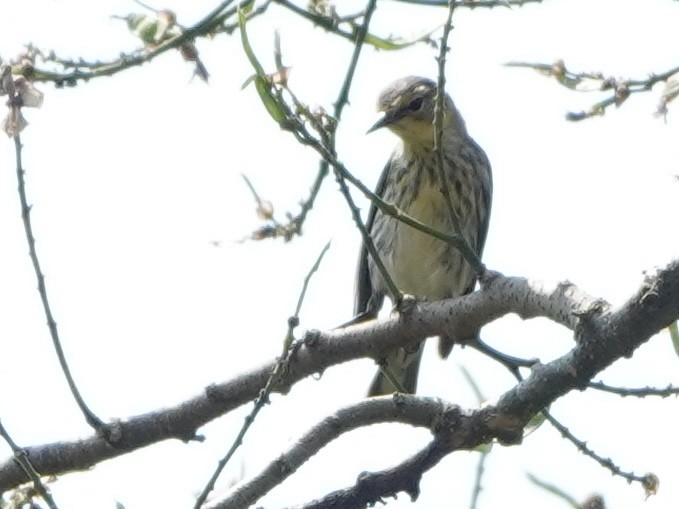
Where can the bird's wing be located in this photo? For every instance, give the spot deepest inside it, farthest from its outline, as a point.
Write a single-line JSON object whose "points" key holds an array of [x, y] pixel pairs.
{"points": [[487, 197], [367, 305], [446, 342]]}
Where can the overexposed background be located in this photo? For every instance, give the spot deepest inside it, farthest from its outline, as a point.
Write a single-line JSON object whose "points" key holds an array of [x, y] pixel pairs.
{"points": [[133, 177]]}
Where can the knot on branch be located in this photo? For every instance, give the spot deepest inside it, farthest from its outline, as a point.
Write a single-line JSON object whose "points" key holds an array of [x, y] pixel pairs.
{"points": [[311, 338], [447, 421], [506, 427]]}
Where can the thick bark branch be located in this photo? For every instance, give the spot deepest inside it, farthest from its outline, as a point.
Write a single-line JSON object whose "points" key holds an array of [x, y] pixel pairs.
{"points": [[602, 336]]}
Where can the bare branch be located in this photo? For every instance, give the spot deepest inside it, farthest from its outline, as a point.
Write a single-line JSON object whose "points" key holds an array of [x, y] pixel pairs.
{"points": [[263, 397], [89, 415], [27, 467], [621, 88], [638, 392], [602, 336], [582, 446], [472, 4]]}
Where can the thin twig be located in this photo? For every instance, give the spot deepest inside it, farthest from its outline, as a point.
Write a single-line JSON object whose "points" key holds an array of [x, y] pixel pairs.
{"points": [[480, 470], [622, 88], [328, 23], [146, 6], [22, 459], [90, 417], [293, 321], [484, 449], [264, 208], [297, 128], [554, 490], [641, 392], [395, 293], [263, 397], [465, 249], [340, 103], [617, 332], [511, 363], [579, 444], [438, 117], [473, 4], [607, 463], [203, 27]]}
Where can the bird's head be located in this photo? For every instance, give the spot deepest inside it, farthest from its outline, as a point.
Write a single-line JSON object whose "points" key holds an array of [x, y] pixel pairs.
{"points": [[408, 110]]}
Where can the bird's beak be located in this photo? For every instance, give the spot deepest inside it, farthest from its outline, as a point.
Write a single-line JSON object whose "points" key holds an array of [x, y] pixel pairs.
{"points": [[388, 118]]}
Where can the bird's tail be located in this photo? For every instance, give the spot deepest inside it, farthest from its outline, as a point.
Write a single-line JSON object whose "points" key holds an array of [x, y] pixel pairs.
{"points": [[403, 365]]}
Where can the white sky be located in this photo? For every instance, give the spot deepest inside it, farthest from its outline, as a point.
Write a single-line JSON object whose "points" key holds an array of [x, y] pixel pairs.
{"points": [[132, 177]]}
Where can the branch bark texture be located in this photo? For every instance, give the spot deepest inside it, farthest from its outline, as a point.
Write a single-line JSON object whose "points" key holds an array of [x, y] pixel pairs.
{"points": [[602, 335]]}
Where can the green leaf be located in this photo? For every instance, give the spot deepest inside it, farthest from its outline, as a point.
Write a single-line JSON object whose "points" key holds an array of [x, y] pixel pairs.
{"points": [[534, 423], [269, 100], [262, 83], [483, 448], [674, 334], [246, 7], [248, 81], [246, 46], [554, 490], [395, 44], [480, 398]]}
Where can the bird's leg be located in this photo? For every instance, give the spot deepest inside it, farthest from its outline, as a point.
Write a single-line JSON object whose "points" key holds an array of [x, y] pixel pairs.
{"points": [[406, 304], [487, 277], [405, 307]]}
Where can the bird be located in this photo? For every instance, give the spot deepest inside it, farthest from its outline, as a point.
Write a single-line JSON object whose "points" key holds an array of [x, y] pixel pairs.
{"points": [[418, 263]]}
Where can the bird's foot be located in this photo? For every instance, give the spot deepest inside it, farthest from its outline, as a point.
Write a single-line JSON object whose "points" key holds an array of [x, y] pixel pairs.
{"points": [[487, 277], [406, 305]]}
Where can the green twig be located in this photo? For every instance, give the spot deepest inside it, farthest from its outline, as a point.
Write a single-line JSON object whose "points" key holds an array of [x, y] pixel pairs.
{"points": [[355, 212], [272, 98], [343, 97], [340, 103], [347, 28], [438, 120], [302, 135], [394, 292], [554, 490]]}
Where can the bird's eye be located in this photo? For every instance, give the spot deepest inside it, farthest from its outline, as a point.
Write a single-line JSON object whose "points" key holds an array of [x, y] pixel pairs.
{"points": [[415, 104]]}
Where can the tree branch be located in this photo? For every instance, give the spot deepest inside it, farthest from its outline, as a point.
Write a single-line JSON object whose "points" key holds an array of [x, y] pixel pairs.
{"points": [[602, 336], [620, 89]]}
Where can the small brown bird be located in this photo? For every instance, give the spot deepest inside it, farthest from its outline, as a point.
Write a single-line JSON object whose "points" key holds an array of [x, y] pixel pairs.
{"points": [[418, 263]]}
